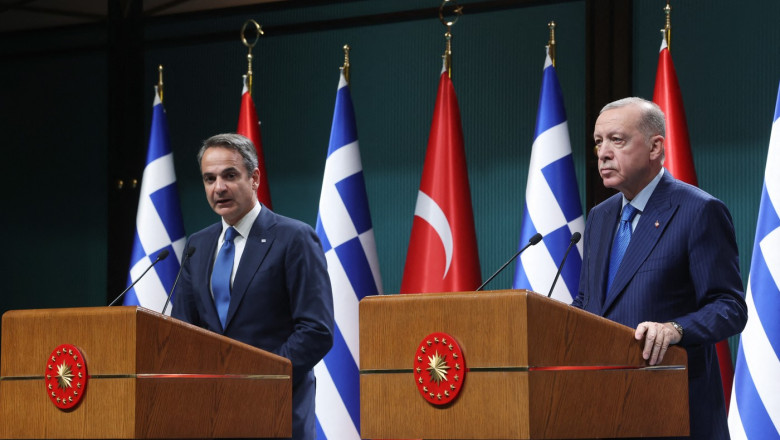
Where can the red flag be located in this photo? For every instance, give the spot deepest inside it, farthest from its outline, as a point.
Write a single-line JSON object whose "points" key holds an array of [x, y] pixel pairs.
{"points": [[442, 254], [249, 126], [679, 161]]}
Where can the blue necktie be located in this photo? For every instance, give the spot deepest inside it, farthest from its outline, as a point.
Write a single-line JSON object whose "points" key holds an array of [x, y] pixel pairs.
{"points": [[620, 244], [220, 276]]}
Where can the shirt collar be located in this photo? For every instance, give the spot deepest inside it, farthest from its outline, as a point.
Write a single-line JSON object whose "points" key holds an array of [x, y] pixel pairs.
{"points": [[640, 201], [244, 225]]}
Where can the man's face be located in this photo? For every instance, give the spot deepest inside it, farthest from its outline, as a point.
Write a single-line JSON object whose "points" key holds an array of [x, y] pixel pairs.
{"points": [[230, 189], [628, 161]]}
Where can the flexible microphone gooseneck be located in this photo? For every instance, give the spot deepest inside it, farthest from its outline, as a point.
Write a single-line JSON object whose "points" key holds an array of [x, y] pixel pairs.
{"points": [[188, 253], [535, 239], [575, 238], [161, 256]]}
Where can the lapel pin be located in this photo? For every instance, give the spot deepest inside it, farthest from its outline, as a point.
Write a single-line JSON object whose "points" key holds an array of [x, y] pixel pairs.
{"points": [[656, 223], [262, 240]]}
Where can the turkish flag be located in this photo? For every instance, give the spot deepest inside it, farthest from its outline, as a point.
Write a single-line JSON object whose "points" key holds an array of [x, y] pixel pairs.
{"points": [[442, 254], [679, 161], [249, 126]]}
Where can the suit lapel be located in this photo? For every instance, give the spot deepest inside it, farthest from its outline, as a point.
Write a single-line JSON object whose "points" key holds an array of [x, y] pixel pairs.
{"points": [[607, 229], [257, 245], [659, 211], [204, 276]]}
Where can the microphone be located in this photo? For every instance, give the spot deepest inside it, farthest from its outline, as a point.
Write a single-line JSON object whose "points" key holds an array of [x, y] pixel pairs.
{"points": [[535, 239], [188, 253], [161, 256], [575, 238]]}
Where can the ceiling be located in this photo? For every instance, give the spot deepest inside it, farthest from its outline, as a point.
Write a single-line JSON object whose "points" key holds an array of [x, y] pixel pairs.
{"points": [[20, 15]]}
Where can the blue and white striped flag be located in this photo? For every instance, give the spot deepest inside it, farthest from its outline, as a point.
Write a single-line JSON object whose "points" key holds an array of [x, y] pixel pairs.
{"points": [[344, 227], [159, 223], [552, 200], [754, 412]]}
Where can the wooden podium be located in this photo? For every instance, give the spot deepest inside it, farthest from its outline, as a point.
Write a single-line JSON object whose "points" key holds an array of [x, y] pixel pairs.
{"points": [[149, 376], [537, 369]]}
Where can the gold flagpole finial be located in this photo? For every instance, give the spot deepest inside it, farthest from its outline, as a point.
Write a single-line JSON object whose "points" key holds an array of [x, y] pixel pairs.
{"points": [[258, 32], [551, 42], [345, 67], [667, 30], [457, 10], [160, 82]]}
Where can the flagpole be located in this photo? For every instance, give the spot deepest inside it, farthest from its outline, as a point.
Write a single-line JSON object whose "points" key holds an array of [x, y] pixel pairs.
{"points": [[667, 30], [345, 67], [551, 42], [457, 11], [160, 82], [250, 46]]}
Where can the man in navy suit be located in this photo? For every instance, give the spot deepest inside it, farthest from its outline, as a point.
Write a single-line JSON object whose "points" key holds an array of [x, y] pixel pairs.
{"points": [[679, 280], [279, 298]]}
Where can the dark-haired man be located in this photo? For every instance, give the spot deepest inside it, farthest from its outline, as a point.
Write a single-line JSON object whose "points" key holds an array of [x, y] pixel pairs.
{"points": [[258, 277]]}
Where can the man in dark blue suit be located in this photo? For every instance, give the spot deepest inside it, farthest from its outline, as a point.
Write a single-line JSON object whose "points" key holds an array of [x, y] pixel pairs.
{"points": [[279, 296], [678, 281]]}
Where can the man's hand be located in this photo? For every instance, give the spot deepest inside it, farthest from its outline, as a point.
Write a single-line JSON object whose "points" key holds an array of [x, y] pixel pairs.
{"points": [[658, 338]]}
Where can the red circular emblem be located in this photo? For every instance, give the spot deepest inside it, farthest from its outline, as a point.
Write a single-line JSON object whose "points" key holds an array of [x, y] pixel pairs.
{"points": [[439, 368], [66, 376]]}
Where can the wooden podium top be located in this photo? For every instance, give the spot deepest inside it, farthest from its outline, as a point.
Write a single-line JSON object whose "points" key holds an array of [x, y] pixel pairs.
{"points": [[125, 340], [500, 328]]}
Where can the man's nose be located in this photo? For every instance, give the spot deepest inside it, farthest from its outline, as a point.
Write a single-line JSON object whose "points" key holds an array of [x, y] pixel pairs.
{"points": [[604, 151], [219, 185]]}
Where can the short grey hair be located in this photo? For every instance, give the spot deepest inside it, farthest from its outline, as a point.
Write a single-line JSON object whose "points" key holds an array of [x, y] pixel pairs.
{"points": [[652, 122], [235, 142]]}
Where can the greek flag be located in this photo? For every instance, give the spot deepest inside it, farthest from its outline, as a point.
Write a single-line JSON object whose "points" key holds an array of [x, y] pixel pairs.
{"points": [[755, 402], [344, 227], [158, 223], [552, 200]]}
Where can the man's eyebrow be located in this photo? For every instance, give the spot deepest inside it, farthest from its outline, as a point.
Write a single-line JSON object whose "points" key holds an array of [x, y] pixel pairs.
{"points": [[226, 170]]}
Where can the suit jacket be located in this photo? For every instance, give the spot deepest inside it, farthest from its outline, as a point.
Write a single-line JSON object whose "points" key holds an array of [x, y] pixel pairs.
{"points": [[682, 265], [281, 300]]}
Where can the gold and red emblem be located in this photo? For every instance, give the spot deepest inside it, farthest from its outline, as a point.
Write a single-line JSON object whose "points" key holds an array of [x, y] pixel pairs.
{"points": [[439, 368], [66, 376]]}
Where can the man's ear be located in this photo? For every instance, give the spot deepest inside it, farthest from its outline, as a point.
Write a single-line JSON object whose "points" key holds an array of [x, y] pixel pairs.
{"points": [[656, 147], [255, 178]]}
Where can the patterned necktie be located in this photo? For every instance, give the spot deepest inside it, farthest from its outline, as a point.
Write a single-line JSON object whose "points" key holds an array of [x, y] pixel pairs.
{"points": [[620, 244], [220, 277]]}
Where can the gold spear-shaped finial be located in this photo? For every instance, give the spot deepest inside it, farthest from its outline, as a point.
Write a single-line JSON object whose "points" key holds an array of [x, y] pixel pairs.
{"points": [[457, 11], [667, 30], [345, 67], [258, 32], [160, 82], [551, 42]]}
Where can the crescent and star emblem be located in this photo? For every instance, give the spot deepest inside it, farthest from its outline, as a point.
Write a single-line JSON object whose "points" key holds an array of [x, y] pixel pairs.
{"points": [[66, 376], [439, 368]]}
